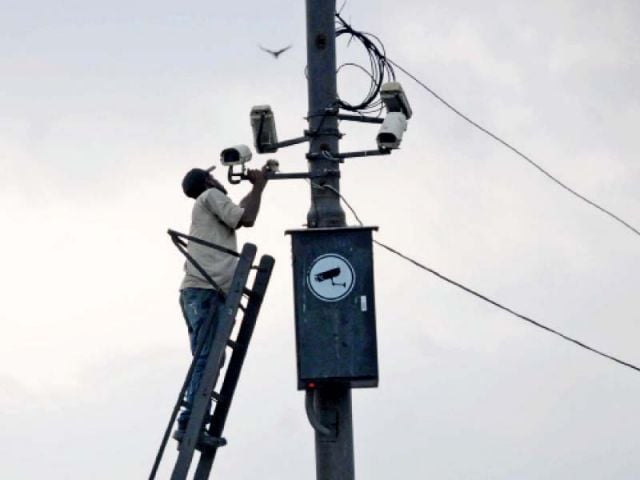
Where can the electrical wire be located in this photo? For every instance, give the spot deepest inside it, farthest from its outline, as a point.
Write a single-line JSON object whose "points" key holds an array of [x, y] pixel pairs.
{"points": [[379, 68], [507, 309], [479, 295], [380, 64], [515, 150], [344, 4]]}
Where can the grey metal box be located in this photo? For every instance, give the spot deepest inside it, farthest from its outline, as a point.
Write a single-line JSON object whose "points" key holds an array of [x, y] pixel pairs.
{"points": [[335, 306]]}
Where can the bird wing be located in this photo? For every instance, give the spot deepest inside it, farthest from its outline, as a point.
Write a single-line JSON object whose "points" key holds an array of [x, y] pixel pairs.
{"points": [[278, 52], [267, 50]]}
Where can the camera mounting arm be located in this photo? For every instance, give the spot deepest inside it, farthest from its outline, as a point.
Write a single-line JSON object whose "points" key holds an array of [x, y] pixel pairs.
{"points": [[235, 177], [339, 157], [359, 118], [265, 136], [272, 147]]}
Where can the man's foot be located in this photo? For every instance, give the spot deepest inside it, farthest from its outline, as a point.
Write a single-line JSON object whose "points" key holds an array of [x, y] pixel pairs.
{"points": [[206, 440]]}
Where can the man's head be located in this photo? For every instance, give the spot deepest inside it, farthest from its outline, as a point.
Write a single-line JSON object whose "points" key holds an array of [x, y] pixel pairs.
{"points": [[197, 180]]}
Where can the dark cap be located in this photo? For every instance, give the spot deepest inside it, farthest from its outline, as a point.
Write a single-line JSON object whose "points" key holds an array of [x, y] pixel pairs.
{"points": [[194, 182]]}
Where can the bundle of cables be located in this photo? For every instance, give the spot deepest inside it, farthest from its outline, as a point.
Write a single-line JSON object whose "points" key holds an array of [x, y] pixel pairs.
{"points": [[380, 69]]}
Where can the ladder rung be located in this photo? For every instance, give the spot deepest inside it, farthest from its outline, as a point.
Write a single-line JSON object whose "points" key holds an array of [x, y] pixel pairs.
{"points": [[231, 343], [216, 396], [211, 443], [247, 291]]}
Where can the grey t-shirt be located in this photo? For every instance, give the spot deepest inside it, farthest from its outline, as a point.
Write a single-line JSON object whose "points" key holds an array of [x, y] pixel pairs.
{"points": [[214, 219]]}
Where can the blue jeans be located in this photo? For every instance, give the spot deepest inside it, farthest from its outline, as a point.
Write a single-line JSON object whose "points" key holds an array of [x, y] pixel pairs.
{"points": [[198, 306]]}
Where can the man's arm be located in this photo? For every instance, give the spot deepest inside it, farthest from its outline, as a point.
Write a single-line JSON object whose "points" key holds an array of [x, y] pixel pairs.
{"points": [[251, 202]]}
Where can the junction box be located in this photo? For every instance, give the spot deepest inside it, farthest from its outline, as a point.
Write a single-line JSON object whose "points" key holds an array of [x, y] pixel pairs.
{"points": [[335, 315]]}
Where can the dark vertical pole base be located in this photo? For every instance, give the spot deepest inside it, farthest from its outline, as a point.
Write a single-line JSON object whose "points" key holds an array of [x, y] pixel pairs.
{"points": [[334, 452]]}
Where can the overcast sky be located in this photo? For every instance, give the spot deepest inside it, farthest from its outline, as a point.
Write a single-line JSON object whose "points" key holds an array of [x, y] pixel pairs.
{"points": [[105, 105]]}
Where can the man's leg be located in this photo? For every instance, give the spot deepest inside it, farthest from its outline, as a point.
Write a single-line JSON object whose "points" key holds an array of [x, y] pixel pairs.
{"points": [[198, 306]]}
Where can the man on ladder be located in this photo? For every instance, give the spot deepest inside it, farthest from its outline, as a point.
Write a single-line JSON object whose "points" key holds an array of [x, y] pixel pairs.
{"points": [[214, 219]]}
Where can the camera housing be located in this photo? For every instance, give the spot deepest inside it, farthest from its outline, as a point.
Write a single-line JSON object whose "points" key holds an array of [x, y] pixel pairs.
{"points": [[236, 155], [391, 131], [394, 98], [264, 129]]}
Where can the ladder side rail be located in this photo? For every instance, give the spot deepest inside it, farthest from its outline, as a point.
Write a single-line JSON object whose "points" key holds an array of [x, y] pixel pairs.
{"points": [[202, 399], [236, 361], [176, 408]]}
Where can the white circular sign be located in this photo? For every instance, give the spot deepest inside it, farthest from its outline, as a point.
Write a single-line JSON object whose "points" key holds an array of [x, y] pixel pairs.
{"points": [[331, 277]]}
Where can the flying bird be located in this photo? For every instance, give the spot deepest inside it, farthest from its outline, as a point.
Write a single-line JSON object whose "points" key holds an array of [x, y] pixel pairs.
{"points": [[275, 53]]}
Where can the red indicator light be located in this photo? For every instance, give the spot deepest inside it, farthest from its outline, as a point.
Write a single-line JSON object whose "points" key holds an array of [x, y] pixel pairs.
{"points": [[311, 385]]}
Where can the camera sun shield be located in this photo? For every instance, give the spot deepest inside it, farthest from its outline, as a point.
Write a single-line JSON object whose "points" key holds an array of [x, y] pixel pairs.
{"points": [[236, 155], [264, 129]]}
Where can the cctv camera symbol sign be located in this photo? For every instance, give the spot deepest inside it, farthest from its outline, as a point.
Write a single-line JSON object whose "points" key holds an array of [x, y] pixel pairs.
{"points": [[331, 277]]}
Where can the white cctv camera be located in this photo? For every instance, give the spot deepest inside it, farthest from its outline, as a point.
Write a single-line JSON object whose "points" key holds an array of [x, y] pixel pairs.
{"points": [[236, 155], [391, 130], [264, 129], [394, 98]]}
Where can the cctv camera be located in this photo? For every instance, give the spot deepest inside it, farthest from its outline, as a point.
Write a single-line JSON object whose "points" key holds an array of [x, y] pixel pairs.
{"points": [[394, 98], [236, 155], [391, 130], [264, 129]]}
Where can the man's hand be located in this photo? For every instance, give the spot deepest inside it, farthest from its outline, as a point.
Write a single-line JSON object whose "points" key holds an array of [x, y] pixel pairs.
{"points": [[257, 178], [251, 203]]}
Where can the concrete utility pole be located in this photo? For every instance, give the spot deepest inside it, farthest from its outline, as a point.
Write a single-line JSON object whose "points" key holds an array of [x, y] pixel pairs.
{"points": [[332, 402], [326, 210]]}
